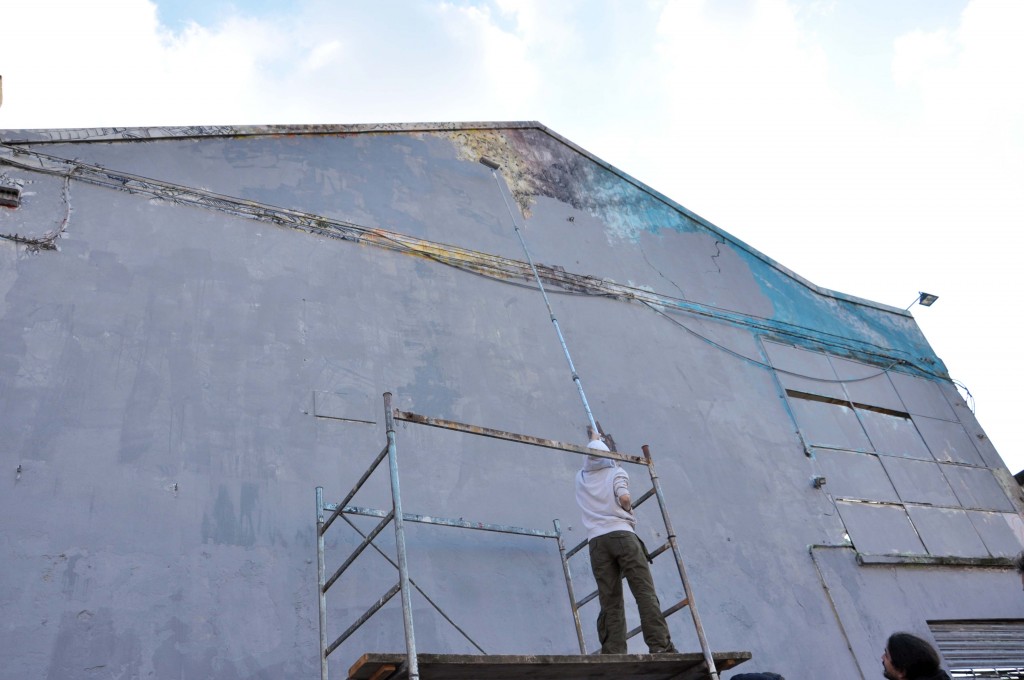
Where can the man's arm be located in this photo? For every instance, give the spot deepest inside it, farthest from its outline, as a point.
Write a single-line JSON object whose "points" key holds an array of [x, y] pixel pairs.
{"points": [[620, 485]]}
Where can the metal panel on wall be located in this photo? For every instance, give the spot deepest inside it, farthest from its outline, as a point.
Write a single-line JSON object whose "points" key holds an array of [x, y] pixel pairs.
{"points": [[977, 488], [894, 435], [826, 424], [866, 384], [855, 475], [1002, 532], [801, 362], [880, 529], [948, 441], [921, 397], [946, 532], [919, 481]]}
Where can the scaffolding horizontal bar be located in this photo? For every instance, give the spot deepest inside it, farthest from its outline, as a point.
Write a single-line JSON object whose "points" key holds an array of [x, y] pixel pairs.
{"points": [[444, 521], [513, 437]]}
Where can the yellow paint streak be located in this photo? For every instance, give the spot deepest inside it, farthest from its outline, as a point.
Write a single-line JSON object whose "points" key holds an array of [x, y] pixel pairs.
{"points": [[492, 265]]}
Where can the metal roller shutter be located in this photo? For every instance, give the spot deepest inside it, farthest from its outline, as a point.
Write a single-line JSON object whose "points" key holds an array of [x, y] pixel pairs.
{"points": [[982, 649]]}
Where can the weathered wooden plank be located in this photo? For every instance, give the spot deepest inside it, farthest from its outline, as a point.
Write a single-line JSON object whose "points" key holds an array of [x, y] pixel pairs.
{"points": [[546, 667]]}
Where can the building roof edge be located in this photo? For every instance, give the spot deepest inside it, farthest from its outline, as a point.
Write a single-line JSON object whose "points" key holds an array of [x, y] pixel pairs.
{"points": [[112, 134]]}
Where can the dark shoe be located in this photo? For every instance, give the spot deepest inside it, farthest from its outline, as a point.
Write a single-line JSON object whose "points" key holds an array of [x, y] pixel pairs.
{"points": [[668, 650]]}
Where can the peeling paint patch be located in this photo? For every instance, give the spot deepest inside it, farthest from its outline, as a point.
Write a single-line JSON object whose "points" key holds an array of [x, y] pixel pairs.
{"points": [[522, 177], [535, 164]]}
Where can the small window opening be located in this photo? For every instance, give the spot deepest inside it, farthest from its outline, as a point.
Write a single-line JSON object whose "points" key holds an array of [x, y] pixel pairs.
{"points": [[840, 402], [10, 197]]}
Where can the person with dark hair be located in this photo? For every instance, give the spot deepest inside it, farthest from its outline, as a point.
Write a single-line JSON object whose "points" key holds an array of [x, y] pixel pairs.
{"points": [[908, 657], [1019, 563]]}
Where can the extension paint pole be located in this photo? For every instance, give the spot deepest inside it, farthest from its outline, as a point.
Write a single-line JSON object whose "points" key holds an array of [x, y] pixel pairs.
{"points": [[561, 339]]}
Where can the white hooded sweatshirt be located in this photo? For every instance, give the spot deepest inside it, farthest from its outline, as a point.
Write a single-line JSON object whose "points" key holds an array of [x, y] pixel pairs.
{"points": [[598, 487]]}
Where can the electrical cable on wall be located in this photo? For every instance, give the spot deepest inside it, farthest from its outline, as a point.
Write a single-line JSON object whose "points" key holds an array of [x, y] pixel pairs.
{"points": [[492, 267], [47, 240], [457, 257]]}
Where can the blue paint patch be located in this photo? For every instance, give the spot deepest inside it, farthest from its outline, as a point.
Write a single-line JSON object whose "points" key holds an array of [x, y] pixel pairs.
{"points": [[809, 319]]}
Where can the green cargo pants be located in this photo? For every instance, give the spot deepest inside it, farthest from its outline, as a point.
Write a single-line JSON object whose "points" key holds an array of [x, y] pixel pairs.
{"points": [[613, 556]]}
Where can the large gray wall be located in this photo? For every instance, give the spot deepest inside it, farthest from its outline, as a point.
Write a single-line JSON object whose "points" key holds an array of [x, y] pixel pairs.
{"points": [[160, 449]]}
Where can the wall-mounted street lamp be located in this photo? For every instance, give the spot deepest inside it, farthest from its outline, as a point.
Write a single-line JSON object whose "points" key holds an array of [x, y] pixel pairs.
{"points": [[924, 299]]}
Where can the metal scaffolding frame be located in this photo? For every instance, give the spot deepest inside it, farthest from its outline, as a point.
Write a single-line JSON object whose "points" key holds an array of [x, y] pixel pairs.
{"points": [[327, 513]]}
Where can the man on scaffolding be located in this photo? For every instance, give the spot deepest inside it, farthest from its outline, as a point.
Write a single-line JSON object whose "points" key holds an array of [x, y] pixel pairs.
{"points": [[602, 492]]}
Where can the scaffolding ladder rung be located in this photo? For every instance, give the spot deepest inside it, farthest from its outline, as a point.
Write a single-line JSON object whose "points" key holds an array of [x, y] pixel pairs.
{"points": [[359, 550], [362, 619], [586, 599], [667, 545], [575, 550], [645, 496], [340, 507], [668, 612]]}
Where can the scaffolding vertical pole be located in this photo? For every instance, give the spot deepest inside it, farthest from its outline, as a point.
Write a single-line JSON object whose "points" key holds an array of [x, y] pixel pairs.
{"points": [[568, 584], [321, 577], [709, 660], [403, 562]]}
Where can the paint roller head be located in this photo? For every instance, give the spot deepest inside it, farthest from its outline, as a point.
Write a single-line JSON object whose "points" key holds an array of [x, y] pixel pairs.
{"points": [[489, 163]]}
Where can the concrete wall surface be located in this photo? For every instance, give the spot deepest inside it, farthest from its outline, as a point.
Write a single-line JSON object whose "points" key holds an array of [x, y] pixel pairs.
{"points": [[197, 326]]}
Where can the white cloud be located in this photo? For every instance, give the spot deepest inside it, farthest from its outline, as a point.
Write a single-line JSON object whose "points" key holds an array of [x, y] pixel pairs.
{"points": [[918, 52], [499, 65], [321, 55]]}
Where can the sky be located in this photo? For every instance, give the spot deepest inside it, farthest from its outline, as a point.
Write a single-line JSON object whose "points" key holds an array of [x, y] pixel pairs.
{"points": [[875, 147]]}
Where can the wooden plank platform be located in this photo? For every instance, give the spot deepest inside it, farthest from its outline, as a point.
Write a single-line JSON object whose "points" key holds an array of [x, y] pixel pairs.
{"points": [[689, 666]]}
